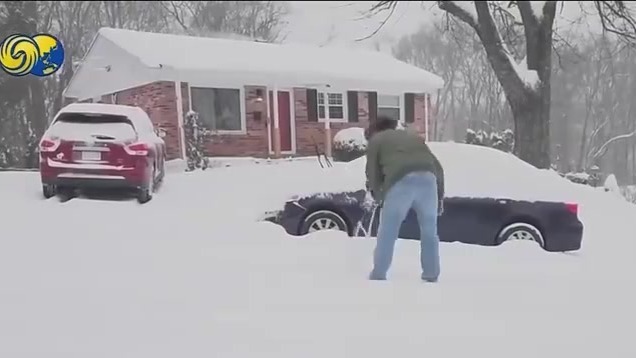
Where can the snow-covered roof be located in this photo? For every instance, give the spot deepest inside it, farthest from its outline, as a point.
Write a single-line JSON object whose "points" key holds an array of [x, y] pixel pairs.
{"points": [[191, 59]]}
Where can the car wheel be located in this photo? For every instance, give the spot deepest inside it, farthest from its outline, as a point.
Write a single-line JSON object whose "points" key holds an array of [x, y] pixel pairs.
{"points": [[521, 231], [323, 220], [161, 175], [48, 191], [145, 193]]}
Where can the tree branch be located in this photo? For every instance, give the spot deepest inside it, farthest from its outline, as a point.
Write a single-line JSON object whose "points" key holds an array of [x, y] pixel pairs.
{"points": [[612, 12], [452, 8], [499, 55], [381, 6], [603, 149]]}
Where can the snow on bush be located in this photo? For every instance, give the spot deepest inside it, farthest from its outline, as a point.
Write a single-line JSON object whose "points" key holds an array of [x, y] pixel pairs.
{"points": [[611, 184], [503, 141], [626, 192], [349, 144], [351, 137], [591, 177], [578, 178], [629, 193]]}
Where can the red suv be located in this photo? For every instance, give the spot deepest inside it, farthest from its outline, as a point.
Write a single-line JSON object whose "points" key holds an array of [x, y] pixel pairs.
{"points": [[101, 146]]}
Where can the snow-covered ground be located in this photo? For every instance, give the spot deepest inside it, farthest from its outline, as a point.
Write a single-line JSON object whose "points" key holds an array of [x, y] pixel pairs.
{"points": [[192, 274]]}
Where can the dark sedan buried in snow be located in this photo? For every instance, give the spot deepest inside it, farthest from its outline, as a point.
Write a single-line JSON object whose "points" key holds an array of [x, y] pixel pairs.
{"points": [[480, 220]]}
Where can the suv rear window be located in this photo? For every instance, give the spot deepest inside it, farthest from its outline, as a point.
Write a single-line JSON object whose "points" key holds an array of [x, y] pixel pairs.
{"points": [[90, 127]]}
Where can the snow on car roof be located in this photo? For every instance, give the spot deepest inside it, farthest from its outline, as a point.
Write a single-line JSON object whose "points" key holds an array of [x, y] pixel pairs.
{"points": [[481, 172], [136, 115]]}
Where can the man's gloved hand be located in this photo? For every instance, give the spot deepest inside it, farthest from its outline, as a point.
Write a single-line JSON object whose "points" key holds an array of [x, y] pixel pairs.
{"points": [[440, 207]]}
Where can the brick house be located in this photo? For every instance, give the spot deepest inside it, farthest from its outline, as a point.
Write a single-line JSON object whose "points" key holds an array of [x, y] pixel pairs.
{"points": [[232, 85]]}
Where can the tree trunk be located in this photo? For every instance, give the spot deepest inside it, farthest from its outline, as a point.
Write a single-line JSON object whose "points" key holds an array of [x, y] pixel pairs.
{"points": [[530, 104], [532, 128]]}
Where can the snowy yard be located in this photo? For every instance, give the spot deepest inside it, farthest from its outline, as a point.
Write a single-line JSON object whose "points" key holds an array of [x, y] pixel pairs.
{"points": [[192, 274]]}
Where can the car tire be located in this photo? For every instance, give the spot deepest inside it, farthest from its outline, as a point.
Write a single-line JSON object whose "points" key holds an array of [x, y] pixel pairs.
{"points": [[323, 220], [160, 177], [521, 231], [48, 191], [145, 193]]}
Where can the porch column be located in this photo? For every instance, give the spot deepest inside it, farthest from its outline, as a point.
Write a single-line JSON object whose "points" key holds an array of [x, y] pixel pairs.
{"points": [[328, 137], [427, 135], [180, 121], [276, 125], [327, 126]]}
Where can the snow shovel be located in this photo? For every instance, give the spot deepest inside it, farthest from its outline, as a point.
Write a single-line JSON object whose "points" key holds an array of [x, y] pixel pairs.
{"points": [[376, 205], [368, 231]]}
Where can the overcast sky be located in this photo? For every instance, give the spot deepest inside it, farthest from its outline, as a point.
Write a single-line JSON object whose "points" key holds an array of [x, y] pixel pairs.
{"points": [[342, 22]]}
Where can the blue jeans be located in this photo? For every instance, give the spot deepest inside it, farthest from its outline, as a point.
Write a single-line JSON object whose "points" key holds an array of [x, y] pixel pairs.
{"points": [[416, 190]]}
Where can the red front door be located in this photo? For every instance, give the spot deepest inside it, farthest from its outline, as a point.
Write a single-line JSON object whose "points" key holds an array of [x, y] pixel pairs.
{"points": [[284, 119]]}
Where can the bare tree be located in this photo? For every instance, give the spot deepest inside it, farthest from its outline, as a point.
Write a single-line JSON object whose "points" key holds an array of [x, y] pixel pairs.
{"points": [[133, 15], [261, 20], [28, 103], [23, 117], [433, 50], [526, 84], [472, 97]]}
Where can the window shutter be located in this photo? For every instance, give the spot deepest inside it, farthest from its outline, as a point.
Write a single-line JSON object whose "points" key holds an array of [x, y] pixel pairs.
{"points": [[373, 107], [409, 107], [352, 104], [312, 105]]}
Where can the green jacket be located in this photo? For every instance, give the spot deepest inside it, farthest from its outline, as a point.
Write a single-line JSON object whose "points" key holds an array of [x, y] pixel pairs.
{"points": [[392, 154]]}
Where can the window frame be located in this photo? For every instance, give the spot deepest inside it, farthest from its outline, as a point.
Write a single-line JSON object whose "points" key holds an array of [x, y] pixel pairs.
{"points": [[242, 109], [345, 108], [400, 106]]}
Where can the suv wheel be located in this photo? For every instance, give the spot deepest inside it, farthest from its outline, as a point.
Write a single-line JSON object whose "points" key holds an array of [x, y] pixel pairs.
{"points": [[48, 191], [145, 193]]}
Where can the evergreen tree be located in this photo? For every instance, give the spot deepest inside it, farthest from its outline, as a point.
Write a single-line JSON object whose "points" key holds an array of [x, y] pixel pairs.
{"points": [[195, 135]]}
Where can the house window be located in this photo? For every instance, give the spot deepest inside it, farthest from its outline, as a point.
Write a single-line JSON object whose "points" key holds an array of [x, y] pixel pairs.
{"points": [[389, 106], [334, 106], [219, 109]]}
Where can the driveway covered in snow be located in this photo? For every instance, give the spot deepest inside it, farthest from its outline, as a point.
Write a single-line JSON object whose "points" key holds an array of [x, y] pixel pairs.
{"points": [[192, 274]]}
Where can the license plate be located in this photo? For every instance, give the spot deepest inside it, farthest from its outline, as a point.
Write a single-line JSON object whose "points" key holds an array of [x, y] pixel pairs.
{"points": [[91, 156]]}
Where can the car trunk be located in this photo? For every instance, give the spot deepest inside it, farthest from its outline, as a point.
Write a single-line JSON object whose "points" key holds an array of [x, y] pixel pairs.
{"points": [[93, 139]]}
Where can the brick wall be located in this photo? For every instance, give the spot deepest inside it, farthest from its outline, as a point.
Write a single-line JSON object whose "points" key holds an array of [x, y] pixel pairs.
{"points": [[255, 141], [419, 124], [159, 100], [307, 132]]}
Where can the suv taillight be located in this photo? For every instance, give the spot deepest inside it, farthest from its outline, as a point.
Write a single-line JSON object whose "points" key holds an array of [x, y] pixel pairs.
{"points": [[137, 149], [48, 145]]}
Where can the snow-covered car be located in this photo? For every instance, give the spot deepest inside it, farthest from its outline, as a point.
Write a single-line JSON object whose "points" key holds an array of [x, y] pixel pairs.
{"points": [[99, 145], [491, 197]]}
